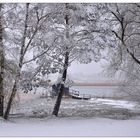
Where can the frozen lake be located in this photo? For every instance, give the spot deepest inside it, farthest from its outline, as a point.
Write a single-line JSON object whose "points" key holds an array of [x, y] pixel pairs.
{"points": [[100, 91]]}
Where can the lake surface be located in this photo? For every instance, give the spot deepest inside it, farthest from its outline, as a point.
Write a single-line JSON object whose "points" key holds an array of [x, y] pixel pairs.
{"points": [[101, 91]]}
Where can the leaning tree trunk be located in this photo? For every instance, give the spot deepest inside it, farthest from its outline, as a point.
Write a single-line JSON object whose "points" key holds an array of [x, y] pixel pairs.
{"points": [[17, 78], [61, 90], [1, 65], [6, 114], [66, 62]]}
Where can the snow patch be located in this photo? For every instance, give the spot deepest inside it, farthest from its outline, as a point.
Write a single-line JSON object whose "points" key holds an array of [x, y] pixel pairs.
{"points": [[116, 103], [70, 127]]}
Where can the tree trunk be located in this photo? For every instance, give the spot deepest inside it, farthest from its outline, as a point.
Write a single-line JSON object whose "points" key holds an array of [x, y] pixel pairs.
{"points": [[61, 91], [1, 96], [14, 90], [66, 62], [58, 101], [1, 65]]}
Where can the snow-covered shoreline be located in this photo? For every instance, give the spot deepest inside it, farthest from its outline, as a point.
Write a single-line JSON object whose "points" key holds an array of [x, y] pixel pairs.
{"points": [[96, 107], [95, 117]]}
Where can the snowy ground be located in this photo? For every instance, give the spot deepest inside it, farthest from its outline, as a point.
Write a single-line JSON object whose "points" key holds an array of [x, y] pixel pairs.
{"points": [[95, 117], [37, 107], [70, 127]]}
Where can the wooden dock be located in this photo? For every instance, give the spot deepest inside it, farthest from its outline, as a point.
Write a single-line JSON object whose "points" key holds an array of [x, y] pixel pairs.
{"points": [[77, 95]]}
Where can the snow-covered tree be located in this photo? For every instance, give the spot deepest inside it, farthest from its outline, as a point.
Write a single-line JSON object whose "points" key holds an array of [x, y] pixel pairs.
{"points": [[124, 55], [25, 34], [1, 63], [73, 34]]}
